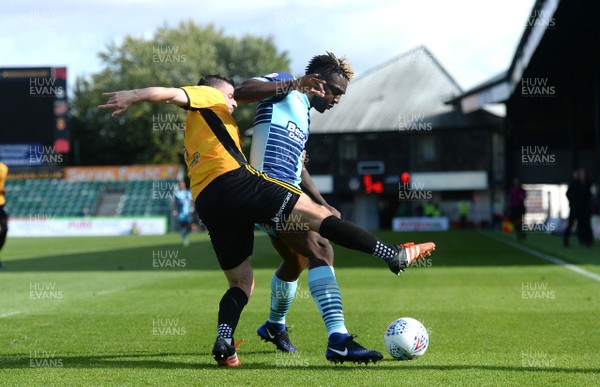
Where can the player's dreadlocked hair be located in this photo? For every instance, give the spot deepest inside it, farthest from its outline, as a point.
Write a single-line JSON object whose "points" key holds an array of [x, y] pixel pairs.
{"points": [[214, 80], [330, 64]]}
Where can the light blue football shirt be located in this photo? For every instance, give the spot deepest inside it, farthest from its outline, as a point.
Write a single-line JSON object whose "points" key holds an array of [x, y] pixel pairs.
{"points": [[281, 128], [183, 203]]}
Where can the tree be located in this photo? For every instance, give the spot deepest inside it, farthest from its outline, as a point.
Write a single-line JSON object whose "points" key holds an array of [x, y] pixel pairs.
{"points": [[173, 57]]}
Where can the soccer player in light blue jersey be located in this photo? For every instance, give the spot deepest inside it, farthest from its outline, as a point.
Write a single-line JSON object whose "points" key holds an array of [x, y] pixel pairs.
{"points": [[183, 207], [231, 196], [281, 129]]}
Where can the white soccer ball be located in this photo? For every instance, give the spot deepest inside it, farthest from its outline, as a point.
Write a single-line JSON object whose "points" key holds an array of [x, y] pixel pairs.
{"points": [[406, 339]]}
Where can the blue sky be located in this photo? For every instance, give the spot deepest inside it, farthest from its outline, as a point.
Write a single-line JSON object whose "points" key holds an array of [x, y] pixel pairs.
{"points": [[473, 39]]}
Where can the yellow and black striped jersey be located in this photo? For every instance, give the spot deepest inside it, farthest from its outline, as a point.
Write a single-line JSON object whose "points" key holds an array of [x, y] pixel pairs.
{"points": [[212, 137], [3, 174]]}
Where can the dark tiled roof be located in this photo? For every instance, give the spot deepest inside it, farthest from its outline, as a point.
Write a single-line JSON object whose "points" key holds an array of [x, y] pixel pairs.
{"points": [[412, 85]]}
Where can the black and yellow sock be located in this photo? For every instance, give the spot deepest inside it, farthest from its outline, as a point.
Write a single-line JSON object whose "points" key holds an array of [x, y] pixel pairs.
{"points": [[230, 308], [347, 234]]}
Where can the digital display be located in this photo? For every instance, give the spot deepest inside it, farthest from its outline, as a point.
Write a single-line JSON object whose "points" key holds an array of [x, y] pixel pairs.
{"points": [[33, 106]]}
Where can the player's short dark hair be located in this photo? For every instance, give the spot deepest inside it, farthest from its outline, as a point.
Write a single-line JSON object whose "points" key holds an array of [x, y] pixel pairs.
{"points": [[329, 64], [214, 80]]}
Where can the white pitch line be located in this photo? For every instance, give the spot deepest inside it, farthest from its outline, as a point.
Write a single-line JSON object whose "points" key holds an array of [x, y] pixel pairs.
{"points": [[105, 292], [549, 258], [8, 314]]}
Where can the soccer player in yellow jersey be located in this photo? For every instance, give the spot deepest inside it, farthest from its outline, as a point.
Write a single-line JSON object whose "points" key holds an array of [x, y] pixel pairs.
{"points": [[3, 216], [281, 130], [231, 196]]}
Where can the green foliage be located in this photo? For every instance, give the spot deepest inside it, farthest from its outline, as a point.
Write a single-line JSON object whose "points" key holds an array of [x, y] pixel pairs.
{"points": [[172, 57]]}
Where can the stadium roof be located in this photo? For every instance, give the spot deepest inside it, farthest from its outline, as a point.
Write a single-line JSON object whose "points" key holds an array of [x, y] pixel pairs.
{"points": [[501, 87], [413, 84]]}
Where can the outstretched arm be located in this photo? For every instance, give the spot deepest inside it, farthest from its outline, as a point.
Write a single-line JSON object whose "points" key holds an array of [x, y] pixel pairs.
{"points": [[254, 90], [119, 101]]}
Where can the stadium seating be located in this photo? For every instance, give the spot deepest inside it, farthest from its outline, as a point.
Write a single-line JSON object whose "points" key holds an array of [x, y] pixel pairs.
{"points": [[57, 197], [143, 197]]}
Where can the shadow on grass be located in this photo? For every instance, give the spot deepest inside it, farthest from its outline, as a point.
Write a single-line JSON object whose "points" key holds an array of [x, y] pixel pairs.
{"points": [[202, 361], [197, 256], [454, 248]]}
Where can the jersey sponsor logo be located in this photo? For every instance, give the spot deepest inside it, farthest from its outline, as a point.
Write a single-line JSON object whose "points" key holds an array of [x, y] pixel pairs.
{"points": [[295, 133], [195, 161], [280, 211]]}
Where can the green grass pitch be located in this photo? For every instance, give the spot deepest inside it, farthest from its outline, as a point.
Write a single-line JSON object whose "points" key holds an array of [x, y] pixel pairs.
{"points": [[142, 311]]}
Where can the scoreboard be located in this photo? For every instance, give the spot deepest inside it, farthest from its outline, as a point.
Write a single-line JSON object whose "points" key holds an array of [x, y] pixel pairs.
{"points": [[34, 111]]}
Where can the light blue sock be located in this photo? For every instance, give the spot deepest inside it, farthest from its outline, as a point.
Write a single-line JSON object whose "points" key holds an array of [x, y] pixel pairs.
{"points": [[184, 232], [326, 293], [282, 295]]}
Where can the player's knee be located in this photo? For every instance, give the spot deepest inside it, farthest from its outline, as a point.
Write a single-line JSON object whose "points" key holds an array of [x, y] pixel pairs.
{"points": [[314, 213], [327, 253], [321, 253], [323, 212]]}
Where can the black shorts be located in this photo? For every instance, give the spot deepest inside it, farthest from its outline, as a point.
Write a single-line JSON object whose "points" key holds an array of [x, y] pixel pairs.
{"points": [[3, 225], [232, 203]]}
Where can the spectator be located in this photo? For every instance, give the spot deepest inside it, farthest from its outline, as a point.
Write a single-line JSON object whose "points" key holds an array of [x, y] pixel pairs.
{"points": [[463, 212], [584, 212], [497, 215], [516, 200], [85, 212], [573, 195], [3, 215], [183, 211]]}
